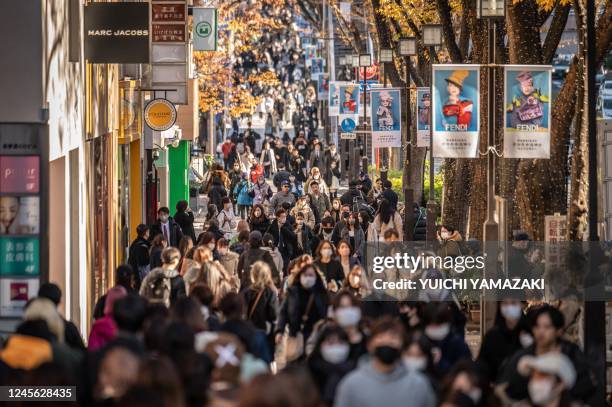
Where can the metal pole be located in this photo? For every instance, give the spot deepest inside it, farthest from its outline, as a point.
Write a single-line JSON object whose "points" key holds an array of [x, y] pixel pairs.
{"points": [[431, 203], [364, 155], [491, 228], [408, 191], [595, 311]]}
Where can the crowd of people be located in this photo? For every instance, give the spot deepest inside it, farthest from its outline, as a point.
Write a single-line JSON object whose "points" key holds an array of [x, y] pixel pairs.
{"points": [[269, 304]]}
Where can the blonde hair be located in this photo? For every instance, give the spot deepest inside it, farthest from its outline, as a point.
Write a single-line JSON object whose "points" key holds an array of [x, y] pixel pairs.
{"points": [[202, 254], [261, 275], [170, 255], [43, 308]]}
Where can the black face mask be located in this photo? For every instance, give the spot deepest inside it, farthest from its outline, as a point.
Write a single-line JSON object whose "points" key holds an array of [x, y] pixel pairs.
{"points": [[387, 354]]}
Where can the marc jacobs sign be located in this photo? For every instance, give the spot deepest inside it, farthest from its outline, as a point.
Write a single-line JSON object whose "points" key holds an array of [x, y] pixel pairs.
{"points": [[116, 33]]}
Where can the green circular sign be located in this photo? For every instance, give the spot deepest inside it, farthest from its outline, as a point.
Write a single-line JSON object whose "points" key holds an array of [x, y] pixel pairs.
{"points": [[203, 29]]}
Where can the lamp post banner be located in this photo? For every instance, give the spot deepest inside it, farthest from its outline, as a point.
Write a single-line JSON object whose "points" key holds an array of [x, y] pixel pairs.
{"points": [[456, 110], [349, 98], [323, 87], [317, 66], [423, 107], [386, 106], [204, 29], [527, 98], [334, 97], [310, 53]]}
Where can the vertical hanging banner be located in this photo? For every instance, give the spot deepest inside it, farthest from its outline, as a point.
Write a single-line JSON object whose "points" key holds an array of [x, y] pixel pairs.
{"points": [[527, 97], [456, 110], [387, 124], [423, 105], [349, 96], [204, 29], [323, 87], [316, 67], [310, 53], [334, 98]]}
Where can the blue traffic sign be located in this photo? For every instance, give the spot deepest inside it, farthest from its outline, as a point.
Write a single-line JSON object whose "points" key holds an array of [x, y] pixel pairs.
{"points": [[348, 125]]}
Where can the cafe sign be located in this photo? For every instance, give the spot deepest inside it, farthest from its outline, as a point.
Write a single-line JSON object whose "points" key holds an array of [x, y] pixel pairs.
{"points": [[160, 114]]}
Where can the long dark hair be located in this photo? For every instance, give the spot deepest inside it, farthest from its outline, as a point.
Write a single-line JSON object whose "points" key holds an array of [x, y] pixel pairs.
{"points": [[386, 211]]}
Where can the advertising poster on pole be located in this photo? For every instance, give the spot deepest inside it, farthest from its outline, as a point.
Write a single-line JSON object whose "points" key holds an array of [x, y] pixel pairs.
{"points": [[334, 97], [310, 53], [456, 110], [323, 87], [316, 67], [527, 97], [386, 120], [349, 96], [423, 106]]}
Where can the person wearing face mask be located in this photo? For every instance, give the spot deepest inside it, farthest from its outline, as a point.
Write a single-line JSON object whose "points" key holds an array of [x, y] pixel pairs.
{"points": [[417, 356], [253, 254], [465, 387], [284, 236], [235, 177], [411, 315], [304, 235], [227, 258], [329, 267], [345, 214], [449, 345], [258, 219], [551, 376], [244, 194], [336, 210], [297, 166], [355, 283], [262, 192], [450, 242], [304, 305], [547, 328], [326, 228], [166, 227], [502, 340], [227, 219], [315, 176], [329, 362], [347, 314], [303, 206], [355, 236], [383, 380]]}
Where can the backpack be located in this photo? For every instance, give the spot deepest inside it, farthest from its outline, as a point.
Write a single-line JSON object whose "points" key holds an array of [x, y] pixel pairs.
{"points": [[157, 287]]}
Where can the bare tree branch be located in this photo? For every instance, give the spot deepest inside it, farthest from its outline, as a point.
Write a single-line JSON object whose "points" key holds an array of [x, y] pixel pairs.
{"points": [[555, 31]]}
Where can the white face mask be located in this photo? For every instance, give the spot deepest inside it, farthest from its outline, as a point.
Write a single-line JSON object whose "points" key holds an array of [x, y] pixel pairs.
{"points": [[444, 235], [336, 353], [348, 316], [475, 394], [526, 340], [164, 218], [211, 246], [512, 312], [326, 252], [437, 333], [307, 281], [205, 311], [415, 363], [541, 390]]}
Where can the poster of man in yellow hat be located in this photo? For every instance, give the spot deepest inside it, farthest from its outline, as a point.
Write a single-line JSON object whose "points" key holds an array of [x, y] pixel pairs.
{"points": [[456, 103]]}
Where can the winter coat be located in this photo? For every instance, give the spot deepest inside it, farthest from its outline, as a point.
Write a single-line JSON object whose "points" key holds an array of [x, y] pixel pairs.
{"points": [[229, 261], [248, 258], [263, 313], [216, 194], [285, 239], [268, 159], [360, 241], [307, 237], [185, 221], [379, 228], [293, 309], [242, 193], [138, 256], [321, 202], [276, 256], [263, 192], [498, 345], [26, 352], [323, 188], [280, 197], [176, 234], [214, 276], [327, 376], [309, 216], [279, 177], [261, 224], [102, 332], [174, 286]]}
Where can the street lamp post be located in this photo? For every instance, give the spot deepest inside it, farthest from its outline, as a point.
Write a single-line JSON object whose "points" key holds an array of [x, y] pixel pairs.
{"points": [[407, 48], [385, 57], [365, 60], [432, 37], [492, 10], [354, 152]]}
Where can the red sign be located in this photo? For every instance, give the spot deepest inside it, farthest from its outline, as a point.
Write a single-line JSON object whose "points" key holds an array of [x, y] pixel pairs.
{"points": [[19, 291], [372, 72], [19, 174], [168, 32], [175, 12]]}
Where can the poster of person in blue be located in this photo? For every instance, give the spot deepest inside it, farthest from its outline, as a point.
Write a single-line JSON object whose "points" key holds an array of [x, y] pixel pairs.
{"points": [[385, 105], [316, 67], [423, 116], [455, 107], [527, 111], [323, 87], [348, 99]]}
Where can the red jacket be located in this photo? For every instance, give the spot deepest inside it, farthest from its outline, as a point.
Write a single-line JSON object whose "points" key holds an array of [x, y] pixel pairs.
{"points": [[463, 111], [256, 172]]}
